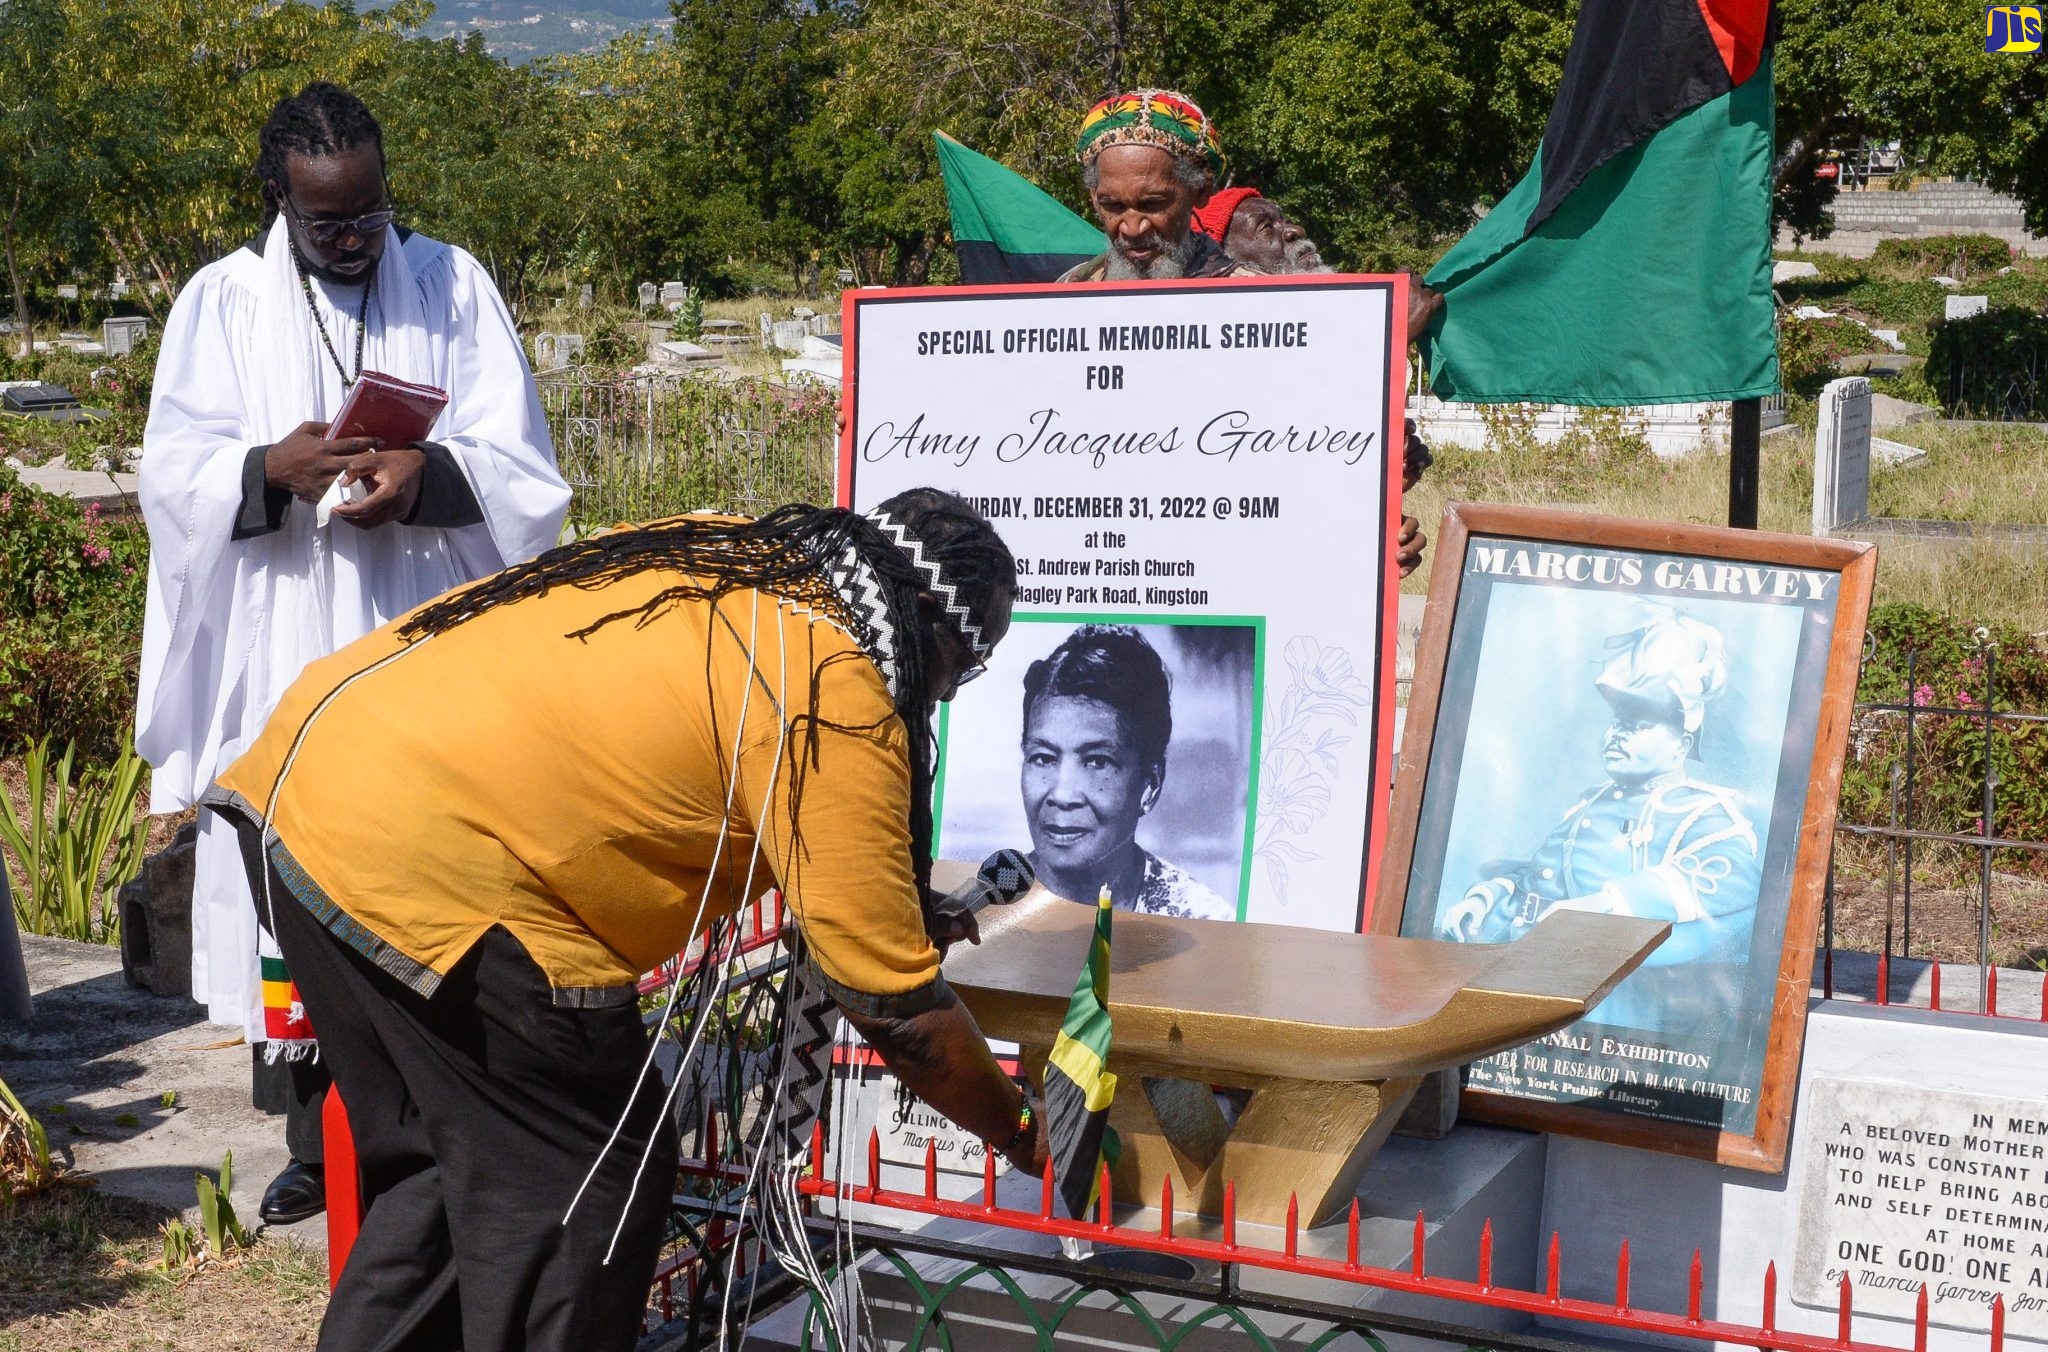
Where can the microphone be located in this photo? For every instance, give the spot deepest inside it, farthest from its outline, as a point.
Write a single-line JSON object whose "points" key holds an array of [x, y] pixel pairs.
{"points": [[1002, 878]]}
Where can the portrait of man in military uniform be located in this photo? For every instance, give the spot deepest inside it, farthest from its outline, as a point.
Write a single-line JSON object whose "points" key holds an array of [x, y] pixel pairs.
{"points": [[1651, 839]]}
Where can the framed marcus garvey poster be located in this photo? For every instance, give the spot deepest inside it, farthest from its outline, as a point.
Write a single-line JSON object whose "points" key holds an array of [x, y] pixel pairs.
{"points": [[1637, 718], [1200, 482]]}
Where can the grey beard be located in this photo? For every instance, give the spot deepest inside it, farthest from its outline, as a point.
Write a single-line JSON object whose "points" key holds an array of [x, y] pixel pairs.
{"points": [[1170, 263], [1302, 256]]}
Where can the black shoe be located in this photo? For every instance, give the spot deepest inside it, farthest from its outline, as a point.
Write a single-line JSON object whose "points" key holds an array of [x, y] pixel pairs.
{"points": [[297, 1194]]}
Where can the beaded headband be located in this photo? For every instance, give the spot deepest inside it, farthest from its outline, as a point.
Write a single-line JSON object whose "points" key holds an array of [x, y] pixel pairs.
{"points": [[934, 581]]}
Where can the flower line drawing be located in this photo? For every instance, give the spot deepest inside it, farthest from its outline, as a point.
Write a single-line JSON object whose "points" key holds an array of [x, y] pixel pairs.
{"points": [[1306, 728]]}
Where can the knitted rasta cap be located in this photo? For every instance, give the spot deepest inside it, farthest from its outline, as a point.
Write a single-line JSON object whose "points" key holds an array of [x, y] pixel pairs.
{"points": [[1152, 117]]}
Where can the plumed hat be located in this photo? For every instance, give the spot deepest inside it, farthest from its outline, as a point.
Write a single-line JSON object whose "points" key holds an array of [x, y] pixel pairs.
{"points": [[1152, 117], [1667, 670]]}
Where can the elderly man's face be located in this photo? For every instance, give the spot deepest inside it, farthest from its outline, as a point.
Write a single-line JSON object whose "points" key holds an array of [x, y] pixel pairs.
{"points": [[1261, 235], [1145, 209]]}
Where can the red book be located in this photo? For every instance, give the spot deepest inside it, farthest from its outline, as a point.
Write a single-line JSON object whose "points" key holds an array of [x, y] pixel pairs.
{"points": [[396, 412]]}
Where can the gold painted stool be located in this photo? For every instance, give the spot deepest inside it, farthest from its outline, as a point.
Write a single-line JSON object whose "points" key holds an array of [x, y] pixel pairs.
{"points": [[1330, 1033]]}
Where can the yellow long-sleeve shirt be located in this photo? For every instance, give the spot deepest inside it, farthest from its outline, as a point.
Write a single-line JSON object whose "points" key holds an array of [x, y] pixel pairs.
{"points": [[591, 795]]}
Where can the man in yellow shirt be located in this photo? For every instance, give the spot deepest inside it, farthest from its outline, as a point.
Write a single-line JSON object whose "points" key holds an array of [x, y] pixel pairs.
{"points": [[480, 824]]}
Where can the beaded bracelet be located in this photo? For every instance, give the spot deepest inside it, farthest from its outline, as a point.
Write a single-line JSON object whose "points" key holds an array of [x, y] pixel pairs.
{"points": [[1025, 1118]]}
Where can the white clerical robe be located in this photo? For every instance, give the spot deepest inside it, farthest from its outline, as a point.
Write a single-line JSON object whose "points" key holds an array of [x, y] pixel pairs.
{"points": [[229, 623]]}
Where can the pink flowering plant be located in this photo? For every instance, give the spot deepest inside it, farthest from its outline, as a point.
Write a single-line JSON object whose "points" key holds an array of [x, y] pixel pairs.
{"points": [[1950, 672], [71, 589]]}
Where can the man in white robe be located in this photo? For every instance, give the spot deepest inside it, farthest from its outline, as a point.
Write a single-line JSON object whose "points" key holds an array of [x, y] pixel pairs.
{"points": [[245, 587]]}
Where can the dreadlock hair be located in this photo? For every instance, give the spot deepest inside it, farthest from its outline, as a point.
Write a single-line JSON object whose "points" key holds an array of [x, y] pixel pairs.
{"points": [[787, 553], [321, 119]]}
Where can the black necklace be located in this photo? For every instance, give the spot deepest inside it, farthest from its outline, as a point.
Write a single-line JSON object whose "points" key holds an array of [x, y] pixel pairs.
{"points": [[362, 325]]}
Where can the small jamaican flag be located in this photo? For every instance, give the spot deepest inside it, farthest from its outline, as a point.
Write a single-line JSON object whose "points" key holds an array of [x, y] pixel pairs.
{"points": [[1005, 227], [1078, 1085], [1632, 265]]}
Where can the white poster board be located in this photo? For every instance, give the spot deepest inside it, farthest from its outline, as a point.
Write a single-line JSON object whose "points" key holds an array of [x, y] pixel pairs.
{"points": [[1212, 469]]}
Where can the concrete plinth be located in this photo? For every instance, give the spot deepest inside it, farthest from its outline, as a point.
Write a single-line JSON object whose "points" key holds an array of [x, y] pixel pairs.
{"points": [[1474, 1175]]}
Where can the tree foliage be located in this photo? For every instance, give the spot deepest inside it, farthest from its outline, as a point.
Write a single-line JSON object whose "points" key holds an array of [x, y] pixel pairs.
{"points": [[767, 138]]}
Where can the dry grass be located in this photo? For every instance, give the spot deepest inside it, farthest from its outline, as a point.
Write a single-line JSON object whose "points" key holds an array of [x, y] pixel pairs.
{"points": [[1980, 472], [1971, 474], [78, 1270]]}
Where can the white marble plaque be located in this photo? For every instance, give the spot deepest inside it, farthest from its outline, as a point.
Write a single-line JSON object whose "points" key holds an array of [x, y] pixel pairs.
{"points": [[1908, 1186]]}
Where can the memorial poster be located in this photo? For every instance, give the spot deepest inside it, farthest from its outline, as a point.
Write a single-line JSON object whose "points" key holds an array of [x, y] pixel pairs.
{"points": [[1624, 721], [1908, 1187], [1199, 481]]}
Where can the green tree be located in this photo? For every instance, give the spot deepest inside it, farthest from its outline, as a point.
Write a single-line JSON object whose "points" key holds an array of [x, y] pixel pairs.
{"points": [[1909, 70], [752, 74]]}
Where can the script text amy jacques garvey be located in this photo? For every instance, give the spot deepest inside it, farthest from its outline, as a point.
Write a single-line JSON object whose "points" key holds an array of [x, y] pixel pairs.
{"points": [[1047, 433]]}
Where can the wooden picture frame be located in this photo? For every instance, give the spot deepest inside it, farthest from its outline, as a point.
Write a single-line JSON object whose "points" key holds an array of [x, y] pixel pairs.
{"points": [[1521, 650]]}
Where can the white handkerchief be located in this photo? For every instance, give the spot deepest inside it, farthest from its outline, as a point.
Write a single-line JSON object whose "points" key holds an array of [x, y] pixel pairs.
{"points": [[335, 496]]}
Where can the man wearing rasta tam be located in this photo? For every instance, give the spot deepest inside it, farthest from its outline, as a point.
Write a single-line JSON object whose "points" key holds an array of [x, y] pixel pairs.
{"points": [[480, 824], [1149, 158]]}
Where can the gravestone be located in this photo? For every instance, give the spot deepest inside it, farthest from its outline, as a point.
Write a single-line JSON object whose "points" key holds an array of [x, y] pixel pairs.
{"points": [[67, 291], [650, 295], [1841, 455], [568, 349], [1962, 307], [544, 351], [156, 918], [14, 1001], [657, 334], [586, 296], [117, 289], [674, 293], [119, 336], [1906, 1186], [844, 276], [789, 335]]}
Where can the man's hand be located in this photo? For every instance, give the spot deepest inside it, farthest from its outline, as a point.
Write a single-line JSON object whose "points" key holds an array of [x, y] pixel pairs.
{"points": [[305, 462], [1032, 1152], [1423, 304], [947, 928], [394, 477], [1415, 458], [1408, 546]]}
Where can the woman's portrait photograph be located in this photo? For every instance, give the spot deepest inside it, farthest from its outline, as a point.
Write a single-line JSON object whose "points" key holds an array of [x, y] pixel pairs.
{"points": [[1116, 755]]}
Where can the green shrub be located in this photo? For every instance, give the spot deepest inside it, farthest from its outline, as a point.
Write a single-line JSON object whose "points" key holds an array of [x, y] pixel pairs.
{"points": [[1809, 348], [1957, 256], [1930, 660], [78, 842], [71, 593], [1991, 365], [634, 451]]}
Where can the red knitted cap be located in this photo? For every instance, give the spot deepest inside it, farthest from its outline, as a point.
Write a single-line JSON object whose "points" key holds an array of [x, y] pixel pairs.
{"points": [[1213, 219]]}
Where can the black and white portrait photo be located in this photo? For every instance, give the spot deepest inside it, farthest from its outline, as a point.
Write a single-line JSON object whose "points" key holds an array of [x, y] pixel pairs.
{"points": [[1118, 755]]}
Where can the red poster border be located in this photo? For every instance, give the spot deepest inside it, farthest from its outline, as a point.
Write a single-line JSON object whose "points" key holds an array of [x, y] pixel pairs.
{"points": [[1396, 284]]}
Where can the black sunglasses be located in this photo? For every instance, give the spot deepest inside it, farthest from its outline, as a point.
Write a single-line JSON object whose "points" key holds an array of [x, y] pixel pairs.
{"points": [[325, 230]]}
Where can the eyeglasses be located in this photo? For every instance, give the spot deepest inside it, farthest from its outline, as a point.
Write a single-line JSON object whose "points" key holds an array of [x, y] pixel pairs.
{"points": [[326, 230], [972, 671]]}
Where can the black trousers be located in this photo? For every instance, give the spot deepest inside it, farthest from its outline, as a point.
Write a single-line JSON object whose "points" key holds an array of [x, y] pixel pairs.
{"points": [[476, 1114], [297, 1091]]}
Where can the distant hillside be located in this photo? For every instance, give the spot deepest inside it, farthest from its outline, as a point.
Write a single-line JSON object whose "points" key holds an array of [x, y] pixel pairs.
{"points": [[521, 30]]}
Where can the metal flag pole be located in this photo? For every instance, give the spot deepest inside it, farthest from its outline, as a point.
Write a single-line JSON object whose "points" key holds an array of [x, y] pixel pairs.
{"points": [[1745, 461]]}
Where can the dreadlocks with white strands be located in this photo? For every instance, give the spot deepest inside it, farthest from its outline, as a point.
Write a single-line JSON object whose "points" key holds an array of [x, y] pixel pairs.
{"points": [[866, 571]]}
